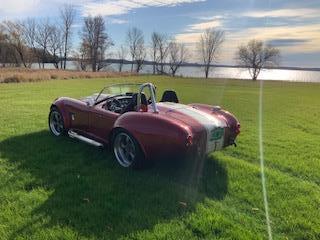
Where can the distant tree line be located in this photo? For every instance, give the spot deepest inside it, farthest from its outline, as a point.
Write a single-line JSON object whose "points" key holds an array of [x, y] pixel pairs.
{"points": [[41, 41], [23, 43]]}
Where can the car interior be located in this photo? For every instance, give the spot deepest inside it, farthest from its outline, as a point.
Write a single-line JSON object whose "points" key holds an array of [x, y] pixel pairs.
{"points": [[125, 103], [128, 102]]}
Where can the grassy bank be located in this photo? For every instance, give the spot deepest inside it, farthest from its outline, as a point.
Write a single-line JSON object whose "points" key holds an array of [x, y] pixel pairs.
{"points": [[20, 75], [62, 189]]}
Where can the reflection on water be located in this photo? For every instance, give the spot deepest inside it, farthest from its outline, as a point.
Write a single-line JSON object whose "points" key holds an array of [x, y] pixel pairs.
{"points": [[241, 73], [226, 72]]}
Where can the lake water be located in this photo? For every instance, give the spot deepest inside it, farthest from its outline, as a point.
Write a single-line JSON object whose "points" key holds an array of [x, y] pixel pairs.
{"points": [[226, 72]]}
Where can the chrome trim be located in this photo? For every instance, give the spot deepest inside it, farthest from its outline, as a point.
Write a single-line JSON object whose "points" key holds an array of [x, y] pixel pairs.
{"points": [[153, 96], [75, 135]]}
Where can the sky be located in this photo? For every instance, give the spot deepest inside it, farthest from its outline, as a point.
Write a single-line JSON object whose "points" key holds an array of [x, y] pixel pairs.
{"points": [[293, 26]]}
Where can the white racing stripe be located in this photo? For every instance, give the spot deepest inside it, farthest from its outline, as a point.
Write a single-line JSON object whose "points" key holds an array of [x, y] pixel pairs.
{"points": [[208, 121]]}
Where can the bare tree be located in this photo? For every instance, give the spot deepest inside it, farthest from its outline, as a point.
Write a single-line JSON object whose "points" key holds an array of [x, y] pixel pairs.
{"points": [[67, 14], [162, 45], [80, 57], [44, 31], [6, 51], [255, 56], [177, 55], [14, 32], [29, 35], [140, 56], [134, 39], [121, 54], [55, 46], [154, 50], [209, 44], [95, 41]]}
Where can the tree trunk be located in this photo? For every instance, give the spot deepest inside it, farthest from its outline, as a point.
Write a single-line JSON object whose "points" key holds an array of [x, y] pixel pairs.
{"points": [[65, 52], [255, 74], [22, 59], [207, 69], [43, 57], [120, 66], [132, 64]]}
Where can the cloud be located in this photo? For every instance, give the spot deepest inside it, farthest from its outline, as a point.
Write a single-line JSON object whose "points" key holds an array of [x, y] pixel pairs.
{"points": [[117, 21], [290, 39], [292, 13], [113, 7], [204, 25], [33, 8], [297, 33], [188, 38], [17, 6], [286, 42], [192, 32]]}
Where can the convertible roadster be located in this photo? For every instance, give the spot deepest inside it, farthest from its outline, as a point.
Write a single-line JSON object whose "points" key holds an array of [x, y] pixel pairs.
{"points": [[128, 118]]}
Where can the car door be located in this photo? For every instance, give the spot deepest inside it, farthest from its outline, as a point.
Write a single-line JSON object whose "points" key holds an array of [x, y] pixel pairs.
{"points": [[78, 115], [101, 123]]}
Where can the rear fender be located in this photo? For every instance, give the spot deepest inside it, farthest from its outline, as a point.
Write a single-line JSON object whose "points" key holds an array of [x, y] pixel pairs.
{"points": [[155, 133]]}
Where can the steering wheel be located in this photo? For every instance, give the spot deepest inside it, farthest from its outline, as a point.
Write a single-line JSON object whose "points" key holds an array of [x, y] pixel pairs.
{"points": [[114, 105]]}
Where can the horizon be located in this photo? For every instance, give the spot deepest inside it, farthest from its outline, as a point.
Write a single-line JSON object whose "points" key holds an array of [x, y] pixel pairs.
{"points": [[291, 26]]}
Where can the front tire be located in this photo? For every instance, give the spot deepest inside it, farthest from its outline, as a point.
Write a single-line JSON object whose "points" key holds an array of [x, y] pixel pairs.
{"points": [[56, 123], [127, 150]]}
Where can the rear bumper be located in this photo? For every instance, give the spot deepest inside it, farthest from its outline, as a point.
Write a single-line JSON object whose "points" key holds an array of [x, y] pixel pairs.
{"points": [[230, 136], [202, 146]]}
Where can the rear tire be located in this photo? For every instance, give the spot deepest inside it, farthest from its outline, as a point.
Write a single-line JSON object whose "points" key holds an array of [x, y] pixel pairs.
{"points": [[127, 150], [56, 122]]}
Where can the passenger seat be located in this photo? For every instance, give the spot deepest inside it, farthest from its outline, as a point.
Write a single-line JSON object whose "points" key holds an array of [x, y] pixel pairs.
{"points": [[169, 96]]}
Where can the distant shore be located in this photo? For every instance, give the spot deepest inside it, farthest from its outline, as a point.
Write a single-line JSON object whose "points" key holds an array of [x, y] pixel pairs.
{"points": [[117, 61], [22, 75]]}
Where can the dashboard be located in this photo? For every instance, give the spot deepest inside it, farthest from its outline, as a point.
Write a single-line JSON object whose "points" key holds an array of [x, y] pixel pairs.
{"points": [[117, 104]]}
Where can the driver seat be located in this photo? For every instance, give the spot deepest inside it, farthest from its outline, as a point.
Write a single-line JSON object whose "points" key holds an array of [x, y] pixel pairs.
{"points": [[134, 102]]}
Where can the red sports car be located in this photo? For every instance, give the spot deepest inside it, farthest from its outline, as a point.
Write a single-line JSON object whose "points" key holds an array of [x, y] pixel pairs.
{"points": [[128, 118]]}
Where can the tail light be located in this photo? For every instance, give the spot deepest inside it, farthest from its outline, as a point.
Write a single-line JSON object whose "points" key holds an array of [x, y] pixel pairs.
{"points": [[238, 128]]}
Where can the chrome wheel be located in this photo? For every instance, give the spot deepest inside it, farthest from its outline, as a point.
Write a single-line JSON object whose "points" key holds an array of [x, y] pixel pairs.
{"points": [[56, 123], [124, 149]]}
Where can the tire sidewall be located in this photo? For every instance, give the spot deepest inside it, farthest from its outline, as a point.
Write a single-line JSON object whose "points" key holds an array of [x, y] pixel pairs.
{"points": [[139, 160], [54, 109]]}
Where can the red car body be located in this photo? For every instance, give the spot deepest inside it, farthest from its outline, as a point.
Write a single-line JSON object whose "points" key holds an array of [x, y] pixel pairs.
{"points": [[173, 128]]}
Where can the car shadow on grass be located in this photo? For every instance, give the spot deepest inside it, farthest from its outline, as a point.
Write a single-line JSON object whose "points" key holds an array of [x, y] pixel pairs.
{"points": [[89, 193]]}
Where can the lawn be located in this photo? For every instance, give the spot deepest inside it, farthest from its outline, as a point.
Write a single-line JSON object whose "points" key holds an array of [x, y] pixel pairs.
{"points": [[63, 189]]}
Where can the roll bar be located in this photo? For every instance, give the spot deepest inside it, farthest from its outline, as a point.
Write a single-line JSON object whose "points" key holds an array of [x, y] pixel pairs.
{"points": [[153, 96]]}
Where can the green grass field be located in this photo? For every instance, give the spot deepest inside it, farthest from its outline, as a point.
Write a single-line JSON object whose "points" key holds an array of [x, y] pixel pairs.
{"points": [[63, 189]]}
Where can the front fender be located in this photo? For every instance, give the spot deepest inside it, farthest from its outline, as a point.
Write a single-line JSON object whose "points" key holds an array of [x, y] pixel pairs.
{"points": [[60, 105]]}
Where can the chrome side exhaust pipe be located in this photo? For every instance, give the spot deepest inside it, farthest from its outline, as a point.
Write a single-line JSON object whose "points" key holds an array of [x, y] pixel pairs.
{"points": [[75, 135]]}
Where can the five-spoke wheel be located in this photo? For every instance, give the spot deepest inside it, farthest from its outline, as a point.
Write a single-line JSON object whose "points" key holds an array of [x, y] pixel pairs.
{"points": [[127, 150], [56, 124]]}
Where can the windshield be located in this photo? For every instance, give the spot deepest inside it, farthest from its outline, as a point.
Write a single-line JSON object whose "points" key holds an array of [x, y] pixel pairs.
{"points": [[118, 89]]}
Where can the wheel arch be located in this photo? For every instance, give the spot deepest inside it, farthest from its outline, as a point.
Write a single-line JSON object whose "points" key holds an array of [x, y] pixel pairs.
{"points": [[60, 106], [119, 128]]}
